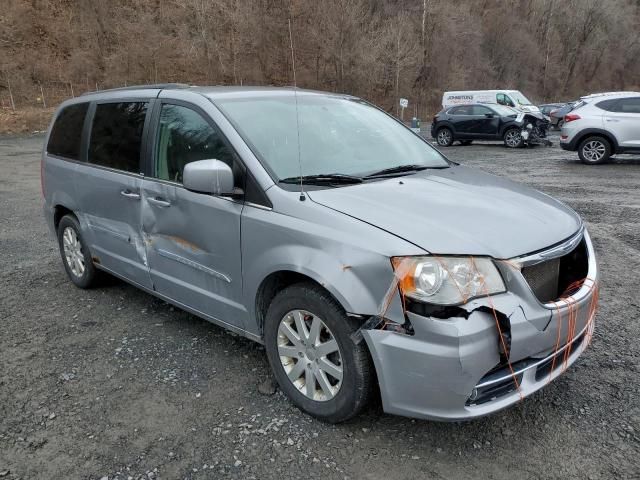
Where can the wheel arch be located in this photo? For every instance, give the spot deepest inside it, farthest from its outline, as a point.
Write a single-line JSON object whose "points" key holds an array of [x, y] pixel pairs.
{"points": [[446, 124], [278, 280], [60, 211], [597, 132], [508, 126]]}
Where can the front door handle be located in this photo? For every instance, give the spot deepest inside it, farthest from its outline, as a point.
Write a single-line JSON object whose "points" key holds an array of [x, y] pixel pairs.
{"points": [[129, 194], [160, 202]]}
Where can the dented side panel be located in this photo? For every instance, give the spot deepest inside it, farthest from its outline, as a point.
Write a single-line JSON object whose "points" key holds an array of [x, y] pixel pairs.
{"points": [[193, 247], [111, 220], [351, 259]]}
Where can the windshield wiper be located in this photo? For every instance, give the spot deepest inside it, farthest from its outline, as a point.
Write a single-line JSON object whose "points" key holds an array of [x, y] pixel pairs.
{"points": [[398, 169], [324, 178]]}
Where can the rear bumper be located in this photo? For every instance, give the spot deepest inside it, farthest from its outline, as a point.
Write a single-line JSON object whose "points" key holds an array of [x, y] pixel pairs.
{"points": [[570, 145], [448, 369]]}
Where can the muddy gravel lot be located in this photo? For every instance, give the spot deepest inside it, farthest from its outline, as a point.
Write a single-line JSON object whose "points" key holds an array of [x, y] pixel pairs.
{"points": [[113, 383]]}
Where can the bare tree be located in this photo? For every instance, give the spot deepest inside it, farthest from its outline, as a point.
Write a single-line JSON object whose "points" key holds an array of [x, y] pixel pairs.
{"points": [[379, 49]]}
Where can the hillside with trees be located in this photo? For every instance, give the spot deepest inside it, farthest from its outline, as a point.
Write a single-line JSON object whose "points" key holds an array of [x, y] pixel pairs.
{"points": [[377, 49]]}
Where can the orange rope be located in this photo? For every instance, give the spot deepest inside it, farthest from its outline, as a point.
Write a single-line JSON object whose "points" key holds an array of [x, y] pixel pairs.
{"points": [[557, 346], [504, 346]]}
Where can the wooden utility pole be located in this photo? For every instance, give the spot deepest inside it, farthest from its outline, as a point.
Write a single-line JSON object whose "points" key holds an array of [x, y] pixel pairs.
{"points": [[44, 102], [13, 104]]}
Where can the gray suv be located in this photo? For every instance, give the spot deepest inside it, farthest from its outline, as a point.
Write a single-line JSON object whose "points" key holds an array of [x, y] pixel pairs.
{"points": [[601, 125], [318, 225]]}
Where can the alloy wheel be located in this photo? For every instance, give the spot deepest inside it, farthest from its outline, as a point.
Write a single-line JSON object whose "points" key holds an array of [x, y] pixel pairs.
{"points": [[73, 252], [310, 355], [513, 138], [594, 151], [444, 137]]}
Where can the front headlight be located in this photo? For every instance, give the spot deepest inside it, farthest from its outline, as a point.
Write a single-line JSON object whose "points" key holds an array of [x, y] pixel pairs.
{"points": [[447, 280]]}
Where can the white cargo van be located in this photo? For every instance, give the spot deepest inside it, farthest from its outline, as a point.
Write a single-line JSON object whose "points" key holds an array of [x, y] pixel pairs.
{"points": [[510, 98]]}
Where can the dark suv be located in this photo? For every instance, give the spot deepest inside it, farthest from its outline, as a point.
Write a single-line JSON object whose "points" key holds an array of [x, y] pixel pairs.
{"points": [[466, 123]]}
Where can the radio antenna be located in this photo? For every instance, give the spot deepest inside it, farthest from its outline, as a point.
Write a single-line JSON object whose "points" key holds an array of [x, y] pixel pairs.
{"points": [[295, 96]]}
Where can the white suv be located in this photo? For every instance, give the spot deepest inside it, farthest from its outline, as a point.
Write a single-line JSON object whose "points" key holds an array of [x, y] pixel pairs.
{"points": [[602, 125]]}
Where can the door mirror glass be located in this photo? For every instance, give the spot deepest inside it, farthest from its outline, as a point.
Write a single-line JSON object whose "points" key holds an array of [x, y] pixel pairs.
{"points": [[208, 176]]}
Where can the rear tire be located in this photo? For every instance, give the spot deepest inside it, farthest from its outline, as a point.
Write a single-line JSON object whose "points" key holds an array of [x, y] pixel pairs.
{"points": [[594, 150], [304, 370], [444, 137], [75, 253], [513, 138]]}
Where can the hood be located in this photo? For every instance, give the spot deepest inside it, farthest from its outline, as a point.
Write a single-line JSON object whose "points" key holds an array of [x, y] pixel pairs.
{"points": [[457, 211]]}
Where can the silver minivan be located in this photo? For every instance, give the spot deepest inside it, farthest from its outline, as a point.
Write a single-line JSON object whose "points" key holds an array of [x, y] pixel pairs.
{"points": [[364, 260]]}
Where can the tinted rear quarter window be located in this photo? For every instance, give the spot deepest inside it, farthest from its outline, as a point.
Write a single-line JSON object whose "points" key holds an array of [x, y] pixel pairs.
{"points": [[463, 110], [116, 135], [608, 105], [66, 133]]}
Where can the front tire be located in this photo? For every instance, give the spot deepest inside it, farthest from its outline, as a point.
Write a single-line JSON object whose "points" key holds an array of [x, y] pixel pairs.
{"points": [[513, 138], [444, 137], [75, 253], [314, 360], [594, 150]]}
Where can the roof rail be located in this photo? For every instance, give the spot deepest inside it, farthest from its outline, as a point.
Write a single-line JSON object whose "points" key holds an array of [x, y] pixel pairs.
{"points": [[607, 94], [160, 86]]}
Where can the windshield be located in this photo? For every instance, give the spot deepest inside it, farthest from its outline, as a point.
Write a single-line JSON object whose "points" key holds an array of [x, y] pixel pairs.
{"points": [[520, 98], [336, 135]]}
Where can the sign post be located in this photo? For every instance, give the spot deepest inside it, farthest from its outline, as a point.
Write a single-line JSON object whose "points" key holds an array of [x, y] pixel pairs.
{"points": [[404, 103]]}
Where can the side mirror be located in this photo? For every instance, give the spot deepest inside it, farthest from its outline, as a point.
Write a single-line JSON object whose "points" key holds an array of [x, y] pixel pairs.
{"points": [[208, 176]]}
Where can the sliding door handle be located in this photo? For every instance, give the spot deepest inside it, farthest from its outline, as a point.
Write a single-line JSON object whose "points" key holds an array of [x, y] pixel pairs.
{"points": [[129, 194], [160, 202]]}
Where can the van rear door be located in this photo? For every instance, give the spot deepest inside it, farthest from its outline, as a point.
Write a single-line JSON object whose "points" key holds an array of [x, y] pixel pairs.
{"points": [[108, 187]]}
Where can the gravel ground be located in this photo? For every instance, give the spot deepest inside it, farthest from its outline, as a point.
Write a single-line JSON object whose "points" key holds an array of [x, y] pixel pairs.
{"points": [[113, 383]]}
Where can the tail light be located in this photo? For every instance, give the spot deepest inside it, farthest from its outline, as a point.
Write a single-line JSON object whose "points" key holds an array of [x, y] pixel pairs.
{"points": [[570, 117]]}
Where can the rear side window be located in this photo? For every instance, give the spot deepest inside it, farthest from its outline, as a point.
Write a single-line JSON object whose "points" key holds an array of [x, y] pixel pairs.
{"points": [[462, 110], [608, 105], [116, 135], [66, 134]]}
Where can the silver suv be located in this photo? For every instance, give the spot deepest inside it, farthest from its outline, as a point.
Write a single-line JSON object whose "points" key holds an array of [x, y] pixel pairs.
{"points": [[325, 229], [602, 125]]}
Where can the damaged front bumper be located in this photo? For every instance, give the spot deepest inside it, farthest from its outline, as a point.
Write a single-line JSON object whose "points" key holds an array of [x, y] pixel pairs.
{"points": [[454, 369]]}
